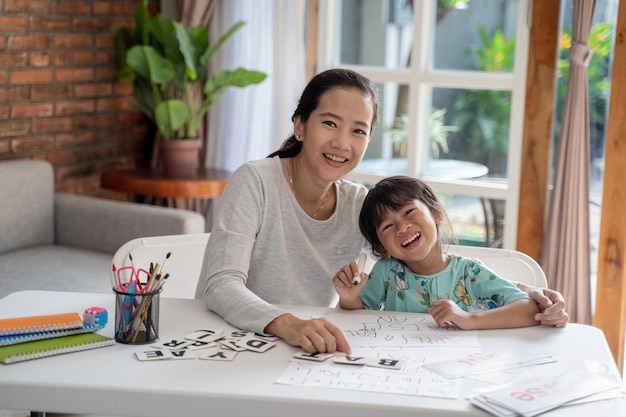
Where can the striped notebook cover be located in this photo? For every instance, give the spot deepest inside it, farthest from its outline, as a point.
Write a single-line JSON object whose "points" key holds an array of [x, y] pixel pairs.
{"points": [[29, 337], [35, 324], [50, 347]]}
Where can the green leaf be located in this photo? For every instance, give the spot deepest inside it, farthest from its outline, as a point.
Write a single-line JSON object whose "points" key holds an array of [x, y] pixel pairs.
{"points": [[150, 64], [170, 116], [186, 49]]}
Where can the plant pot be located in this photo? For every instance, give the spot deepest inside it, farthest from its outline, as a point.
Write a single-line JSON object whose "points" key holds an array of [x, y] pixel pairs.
{"points": [[180, 158]]}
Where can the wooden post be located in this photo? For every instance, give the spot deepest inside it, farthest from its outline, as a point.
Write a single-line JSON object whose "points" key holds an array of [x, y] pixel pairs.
{"points": [[537, 141], [610, 309]]}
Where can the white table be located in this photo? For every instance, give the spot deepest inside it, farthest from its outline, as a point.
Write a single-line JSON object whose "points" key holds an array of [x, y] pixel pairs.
{"points": [[111, 381]]}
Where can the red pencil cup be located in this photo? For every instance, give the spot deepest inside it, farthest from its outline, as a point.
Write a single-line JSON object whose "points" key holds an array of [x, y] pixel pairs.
{"points": [[137, 317]]}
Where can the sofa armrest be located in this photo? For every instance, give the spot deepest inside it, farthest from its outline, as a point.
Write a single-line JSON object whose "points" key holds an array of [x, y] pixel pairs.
{"points": [[105, 225]]}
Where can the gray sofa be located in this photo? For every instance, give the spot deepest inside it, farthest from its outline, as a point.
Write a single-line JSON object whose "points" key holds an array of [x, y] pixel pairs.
{"points": [[65, 242]]}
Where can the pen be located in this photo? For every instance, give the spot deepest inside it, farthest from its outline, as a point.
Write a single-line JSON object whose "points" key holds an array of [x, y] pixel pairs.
{"points": [[360, 267]]}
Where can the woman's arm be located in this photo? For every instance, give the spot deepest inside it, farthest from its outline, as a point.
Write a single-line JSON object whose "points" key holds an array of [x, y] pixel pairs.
{"points": [[520, 313]]}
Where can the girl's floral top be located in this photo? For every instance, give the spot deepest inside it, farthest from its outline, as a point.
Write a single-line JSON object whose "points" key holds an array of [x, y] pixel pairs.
{"points": [[470, 284]]}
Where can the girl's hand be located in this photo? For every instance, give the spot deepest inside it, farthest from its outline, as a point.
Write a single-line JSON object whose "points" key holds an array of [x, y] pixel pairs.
{"points": [[348, 287], [447, 314]]}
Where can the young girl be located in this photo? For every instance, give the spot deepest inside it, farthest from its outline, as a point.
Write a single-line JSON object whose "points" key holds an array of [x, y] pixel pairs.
{"points": [[401, 218]]}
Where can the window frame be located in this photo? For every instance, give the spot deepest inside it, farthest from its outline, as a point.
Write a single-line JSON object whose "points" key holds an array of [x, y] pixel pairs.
{"points": [[421, 78]]}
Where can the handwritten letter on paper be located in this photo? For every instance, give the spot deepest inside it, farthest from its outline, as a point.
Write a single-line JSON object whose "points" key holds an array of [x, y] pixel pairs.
{"points": [[398, 329]]}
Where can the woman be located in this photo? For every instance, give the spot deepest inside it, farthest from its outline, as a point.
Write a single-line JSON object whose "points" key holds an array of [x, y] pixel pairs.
{"points": [[289, 222]]}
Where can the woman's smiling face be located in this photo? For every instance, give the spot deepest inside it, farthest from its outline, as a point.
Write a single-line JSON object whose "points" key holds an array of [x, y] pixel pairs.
{"points": [[337, 133]]}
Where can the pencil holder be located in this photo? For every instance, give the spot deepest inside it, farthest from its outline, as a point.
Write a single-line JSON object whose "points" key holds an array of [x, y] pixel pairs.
{"points": [[137, 317]]}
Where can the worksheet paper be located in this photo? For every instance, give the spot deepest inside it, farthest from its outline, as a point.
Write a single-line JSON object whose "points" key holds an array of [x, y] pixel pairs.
{"points": [[415, 339]]}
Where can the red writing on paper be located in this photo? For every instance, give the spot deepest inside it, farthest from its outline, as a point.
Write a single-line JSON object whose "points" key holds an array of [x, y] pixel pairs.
{"points": [[542, 390]]}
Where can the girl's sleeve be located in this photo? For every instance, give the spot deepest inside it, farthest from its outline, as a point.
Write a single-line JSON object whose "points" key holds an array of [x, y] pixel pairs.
{"points": [[486, 284], [374, 292]]}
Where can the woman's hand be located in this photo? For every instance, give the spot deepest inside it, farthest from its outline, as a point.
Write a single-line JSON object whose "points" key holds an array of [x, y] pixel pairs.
{"points": [[348, 286], [552, 305], [313, 336]]}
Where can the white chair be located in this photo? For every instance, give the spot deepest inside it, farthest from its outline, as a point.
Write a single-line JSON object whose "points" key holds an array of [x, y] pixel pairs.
{"points": [[510, 264], [183, 265]]}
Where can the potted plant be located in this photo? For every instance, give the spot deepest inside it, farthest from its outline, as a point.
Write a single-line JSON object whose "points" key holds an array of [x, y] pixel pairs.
{"points": [[167, 64]]}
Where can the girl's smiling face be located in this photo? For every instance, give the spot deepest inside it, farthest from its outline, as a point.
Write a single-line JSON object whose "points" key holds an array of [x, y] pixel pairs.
{"points": [[411, 235], [336, 135]]}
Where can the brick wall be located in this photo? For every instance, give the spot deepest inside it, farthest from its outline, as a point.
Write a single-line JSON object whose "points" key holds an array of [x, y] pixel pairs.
{"points": [[59, 99]]}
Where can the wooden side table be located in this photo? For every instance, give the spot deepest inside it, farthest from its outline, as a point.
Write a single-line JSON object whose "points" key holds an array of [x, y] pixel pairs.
{"points": [[189, 192]]}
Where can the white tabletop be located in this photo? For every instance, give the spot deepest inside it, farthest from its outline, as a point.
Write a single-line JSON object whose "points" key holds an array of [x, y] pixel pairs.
{"points": [[112, 381]]}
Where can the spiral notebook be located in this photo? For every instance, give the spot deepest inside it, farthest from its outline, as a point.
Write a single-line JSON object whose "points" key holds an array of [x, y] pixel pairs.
{"points": [[29, 337], [50, 347], [35, 324]]}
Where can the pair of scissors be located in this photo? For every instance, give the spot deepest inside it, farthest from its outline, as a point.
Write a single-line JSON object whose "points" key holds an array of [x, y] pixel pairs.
{"points": [[131, 280]]}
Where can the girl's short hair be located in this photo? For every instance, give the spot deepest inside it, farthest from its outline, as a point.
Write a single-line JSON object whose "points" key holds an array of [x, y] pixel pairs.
{"points": [[310, 99], [392, 194]]}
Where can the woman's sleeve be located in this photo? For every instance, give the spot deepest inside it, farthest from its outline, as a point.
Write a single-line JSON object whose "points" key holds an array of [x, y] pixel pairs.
{"points": [[226, 262]]}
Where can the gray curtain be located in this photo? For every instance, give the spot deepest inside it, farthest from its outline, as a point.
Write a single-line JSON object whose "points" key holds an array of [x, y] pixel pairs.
{"points": [[566, 249]]}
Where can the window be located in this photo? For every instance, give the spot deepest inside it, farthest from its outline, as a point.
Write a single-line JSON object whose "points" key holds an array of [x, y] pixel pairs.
{"points": [[451, 76]]}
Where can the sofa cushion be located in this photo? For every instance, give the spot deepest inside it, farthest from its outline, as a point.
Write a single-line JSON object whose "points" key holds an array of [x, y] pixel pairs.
{"points": [[55, 268], [27, 209]]}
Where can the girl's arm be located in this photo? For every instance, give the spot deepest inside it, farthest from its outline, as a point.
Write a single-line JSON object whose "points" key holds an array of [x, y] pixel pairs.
{"points": [[520, 313]]}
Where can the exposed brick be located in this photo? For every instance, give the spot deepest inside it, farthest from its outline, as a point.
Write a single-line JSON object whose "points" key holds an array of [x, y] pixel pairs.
{"points": [[70, 7], [116, 103], [13, 94], [4, 146], [105, 41], [88, 185], [49, 24], [21, 111], [72, 41], [4, 76], [93, 122], [113, 8], [74, 171], [93, 90], [47, 59], [22, 6], [83, 59], [54, 91], [12, 23], [74, 139], [37, 76], [14, 128], [91, 24], [32, 144], [65, 188], [132, 118], [123, 89], [120, 21], [28, 42], [66, 108], [4, 111], [54, 125], [106, 74], [61, 157], [74, 74], [13, 59]]}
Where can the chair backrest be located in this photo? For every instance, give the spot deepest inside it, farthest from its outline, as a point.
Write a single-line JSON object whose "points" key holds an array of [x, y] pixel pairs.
{"points": [[510, 264], [183, 265]]}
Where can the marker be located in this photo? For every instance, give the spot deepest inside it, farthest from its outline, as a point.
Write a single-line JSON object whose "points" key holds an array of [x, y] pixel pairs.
{"points": [[360, 266]]}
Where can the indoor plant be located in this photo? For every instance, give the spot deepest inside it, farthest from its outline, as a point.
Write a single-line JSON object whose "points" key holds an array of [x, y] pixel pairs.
{"points": [[167, 64]]}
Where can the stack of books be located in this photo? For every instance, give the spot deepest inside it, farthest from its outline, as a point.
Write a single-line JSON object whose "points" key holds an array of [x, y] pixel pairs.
{"points": [[32, 337]]}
